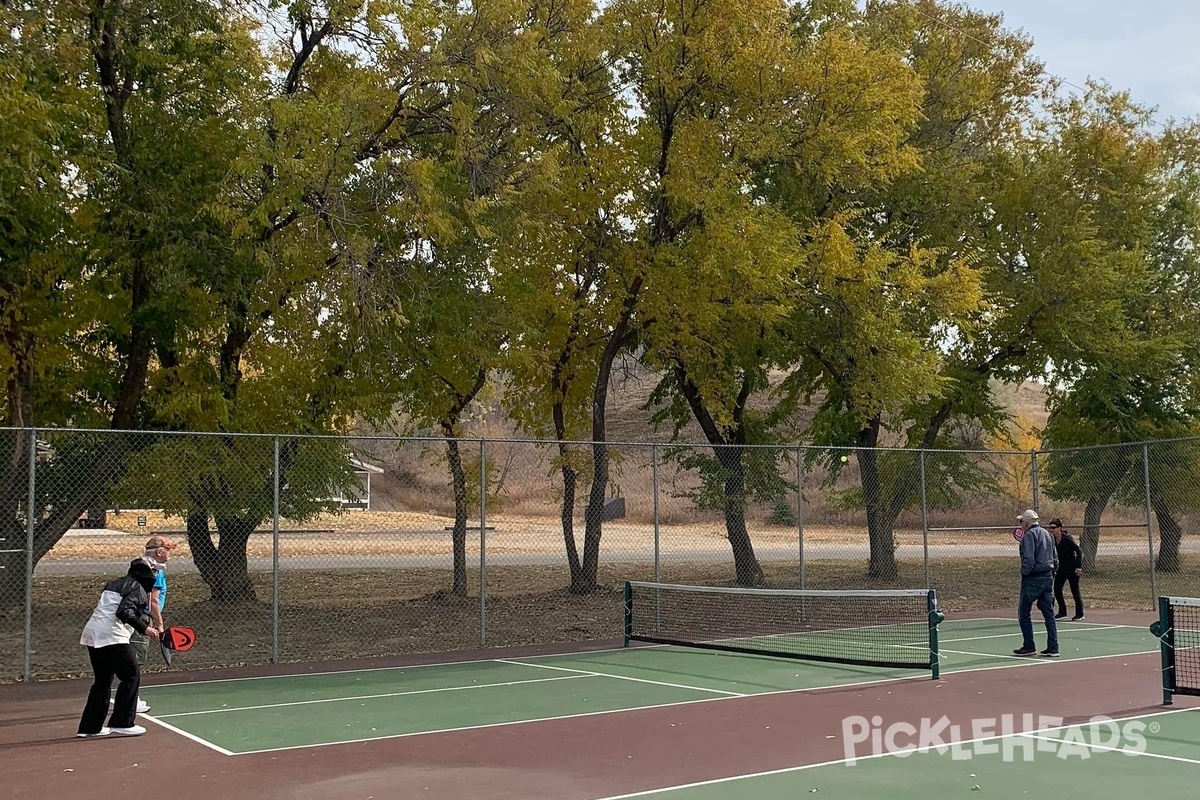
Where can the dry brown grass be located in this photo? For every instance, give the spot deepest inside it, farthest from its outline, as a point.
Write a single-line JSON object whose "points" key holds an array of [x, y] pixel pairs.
{"points": [[399, 534], [416, 478]]}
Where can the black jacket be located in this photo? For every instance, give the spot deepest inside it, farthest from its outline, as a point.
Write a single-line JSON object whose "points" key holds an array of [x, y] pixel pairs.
{"points": [[134, 589], [1070, 557], [118, 610]]}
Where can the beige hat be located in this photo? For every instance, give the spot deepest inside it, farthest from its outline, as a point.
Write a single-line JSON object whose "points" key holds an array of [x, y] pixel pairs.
{"points": [[1029, 515]]}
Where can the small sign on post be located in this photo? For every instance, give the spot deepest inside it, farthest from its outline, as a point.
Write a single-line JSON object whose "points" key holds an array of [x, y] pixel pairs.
{"points": [[141, 522]]}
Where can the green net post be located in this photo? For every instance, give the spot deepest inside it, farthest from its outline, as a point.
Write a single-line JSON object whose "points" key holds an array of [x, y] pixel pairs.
{"points": [[935, 618], [1164, 630], [628, 611]]}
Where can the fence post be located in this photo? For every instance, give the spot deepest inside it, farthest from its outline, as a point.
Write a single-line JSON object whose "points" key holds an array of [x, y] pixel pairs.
{"points": [[1149, 521], [800, 509], [657, 540], [30, 530], [275, 561], [924, 517], [1033, 475], [482, 541]]}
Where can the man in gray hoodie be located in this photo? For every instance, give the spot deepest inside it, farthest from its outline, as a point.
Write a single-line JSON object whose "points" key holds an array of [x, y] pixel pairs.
{"points": [[1039, 563]]}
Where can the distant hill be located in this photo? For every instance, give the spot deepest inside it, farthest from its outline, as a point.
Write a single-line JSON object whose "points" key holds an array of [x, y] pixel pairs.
{"points": [[630, 420]]}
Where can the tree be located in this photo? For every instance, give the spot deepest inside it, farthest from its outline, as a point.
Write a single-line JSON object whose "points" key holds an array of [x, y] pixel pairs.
{"points": [[450, 341], [557, 259], [936, 286], [1015, 470], [702, 95], [376, 107], [844, 111], [1141, 189], [129, 99]]}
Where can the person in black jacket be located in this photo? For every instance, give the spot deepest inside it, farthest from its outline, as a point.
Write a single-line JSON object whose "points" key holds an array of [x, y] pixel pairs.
{"points": [[117, 615], [1070, 567]]}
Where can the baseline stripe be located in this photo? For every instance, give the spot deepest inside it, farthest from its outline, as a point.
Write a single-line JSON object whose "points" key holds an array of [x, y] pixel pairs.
{"points": [[190, 736]]}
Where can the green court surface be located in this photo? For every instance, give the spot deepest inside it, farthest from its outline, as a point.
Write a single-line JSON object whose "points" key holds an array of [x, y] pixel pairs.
{"points": [[1154, 755], [254, 715]]}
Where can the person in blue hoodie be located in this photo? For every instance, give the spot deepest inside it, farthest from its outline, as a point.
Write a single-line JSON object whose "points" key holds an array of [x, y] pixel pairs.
{"points": [[1039, 563]]}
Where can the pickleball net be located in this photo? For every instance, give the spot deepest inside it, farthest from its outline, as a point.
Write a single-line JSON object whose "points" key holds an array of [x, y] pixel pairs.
{"points": [[1178, 632], [880, 628]]}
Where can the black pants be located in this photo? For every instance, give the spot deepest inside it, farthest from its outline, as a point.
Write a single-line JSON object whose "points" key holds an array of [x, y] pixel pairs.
{"points": [[116, 660], [1059, 581]]}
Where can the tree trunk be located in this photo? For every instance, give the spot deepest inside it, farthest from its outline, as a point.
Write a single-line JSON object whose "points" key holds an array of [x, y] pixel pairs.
{"points": [[1170, 532], [882, 511], [747, 570], [570, 479], [1089, 539], [586, 581], [882, 564], [458, 536], [731, 456], [225, 568]]}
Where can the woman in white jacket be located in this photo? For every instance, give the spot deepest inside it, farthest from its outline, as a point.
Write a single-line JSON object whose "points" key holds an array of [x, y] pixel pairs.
{"points": [[117, 615]]}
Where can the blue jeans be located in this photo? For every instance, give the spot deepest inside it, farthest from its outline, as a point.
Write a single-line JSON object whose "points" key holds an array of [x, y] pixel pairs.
{"points": [[1038, 589]]}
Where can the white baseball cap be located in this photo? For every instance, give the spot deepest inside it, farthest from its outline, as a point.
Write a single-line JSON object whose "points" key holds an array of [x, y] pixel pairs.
{"points": [[1029, 515]]}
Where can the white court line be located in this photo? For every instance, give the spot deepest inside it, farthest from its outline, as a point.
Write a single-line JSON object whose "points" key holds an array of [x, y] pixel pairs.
{"points": [[1106, 749], [193, 737], [588, 673], [1037, 618], [368, 696], [830, 687], [1061, 633], [868, 757], [1039, 657]]}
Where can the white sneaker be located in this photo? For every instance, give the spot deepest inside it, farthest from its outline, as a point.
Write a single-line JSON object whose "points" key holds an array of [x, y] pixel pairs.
{"points": [[103, 732], [142, 706], [136, 730]]}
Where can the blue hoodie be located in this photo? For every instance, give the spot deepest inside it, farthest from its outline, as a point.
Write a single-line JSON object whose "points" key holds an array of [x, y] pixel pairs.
{"points": [[1039, 553]]}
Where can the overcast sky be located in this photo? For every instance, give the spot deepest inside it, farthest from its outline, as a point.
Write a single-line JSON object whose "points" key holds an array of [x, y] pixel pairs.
{"points": [[1150, 47]]}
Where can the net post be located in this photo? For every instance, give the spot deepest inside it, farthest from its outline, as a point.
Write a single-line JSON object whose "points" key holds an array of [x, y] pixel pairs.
{"points": [[628, 612], [1166, 644], [935, 618]]}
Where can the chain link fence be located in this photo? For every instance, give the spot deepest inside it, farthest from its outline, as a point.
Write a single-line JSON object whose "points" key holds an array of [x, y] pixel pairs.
{"points": [[309, 549]]}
